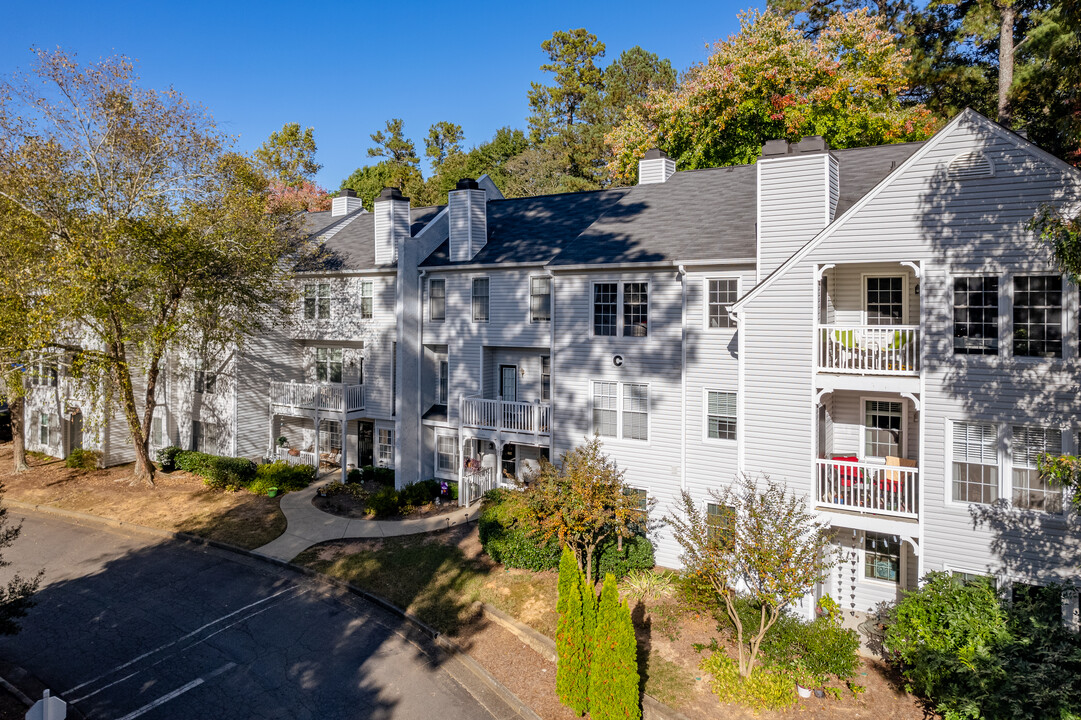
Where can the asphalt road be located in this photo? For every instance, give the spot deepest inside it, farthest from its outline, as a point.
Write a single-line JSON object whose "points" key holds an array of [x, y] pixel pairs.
{"points": [[129, 626]]}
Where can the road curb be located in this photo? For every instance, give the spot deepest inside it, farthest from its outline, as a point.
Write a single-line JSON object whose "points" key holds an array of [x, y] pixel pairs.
{"points": [[453, 651]]}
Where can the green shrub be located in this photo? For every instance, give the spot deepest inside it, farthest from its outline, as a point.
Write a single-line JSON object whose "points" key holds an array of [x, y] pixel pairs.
{"points": [[613, 673], [572, 649], [167, 458], [420, 493], [507, 542], [814, 651], [384, 502], [767, 688], [356, 475], [190, 461], [641, 584], [83, 459], [221, 473], [637, 554], [353, 490], [282, 475], [697, 593], [383, 476], [973, 657]]}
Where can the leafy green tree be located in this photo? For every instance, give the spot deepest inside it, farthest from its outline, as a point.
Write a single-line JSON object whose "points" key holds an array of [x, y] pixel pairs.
{"points": [[769, 81], [613, 675], [572, 637], [770, 549], [368, 181], [399, 153], [629, 81], [288, 155], [17, 597], [444, 139], [577, 85], [158, 236], [582, 501]]}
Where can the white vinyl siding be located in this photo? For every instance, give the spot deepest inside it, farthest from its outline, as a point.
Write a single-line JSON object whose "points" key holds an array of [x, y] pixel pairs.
{"points": [[975, 462]]}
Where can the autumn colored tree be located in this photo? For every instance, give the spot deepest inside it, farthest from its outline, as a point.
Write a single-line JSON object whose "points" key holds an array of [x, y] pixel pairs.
{"points": [[613, 674], [770, 81], [572, 637], [157, 235], [811, 17], [582, 501], [769, 548]]}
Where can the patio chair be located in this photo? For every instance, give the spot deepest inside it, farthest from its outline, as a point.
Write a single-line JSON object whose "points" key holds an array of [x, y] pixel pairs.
{"points": [[891, 483]]}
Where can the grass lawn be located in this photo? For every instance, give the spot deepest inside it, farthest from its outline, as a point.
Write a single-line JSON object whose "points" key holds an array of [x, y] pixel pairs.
{"points": [[180, 502]]}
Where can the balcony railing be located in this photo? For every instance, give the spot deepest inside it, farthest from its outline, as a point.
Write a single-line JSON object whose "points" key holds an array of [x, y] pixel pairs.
{"points": [[869, 349], [332, 397], [523, 417], [868, 487], [302, 458]]}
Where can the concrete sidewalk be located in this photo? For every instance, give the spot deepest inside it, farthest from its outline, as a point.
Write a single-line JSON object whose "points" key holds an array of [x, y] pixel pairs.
{"points": [[308, 525]]}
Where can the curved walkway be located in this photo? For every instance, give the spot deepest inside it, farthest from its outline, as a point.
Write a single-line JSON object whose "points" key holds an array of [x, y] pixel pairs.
{"points": [[308, 525]]}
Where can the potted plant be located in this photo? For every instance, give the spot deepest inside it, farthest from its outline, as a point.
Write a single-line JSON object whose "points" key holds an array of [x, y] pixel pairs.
{"points": [[281, 441]]}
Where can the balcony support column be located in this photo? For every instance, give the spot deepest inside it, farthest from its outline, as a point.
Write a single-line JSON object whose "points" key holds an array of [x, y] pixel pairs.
{"points": [[345, 445]]}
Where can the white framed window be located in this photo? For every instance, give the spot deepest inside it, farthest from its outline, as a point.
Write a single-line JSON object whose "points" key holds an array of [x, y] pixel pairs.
{"points": [[204, 437], [43, 428], [621, 309], [720, 293], [206, 381], [720, 415], [443, 388], [157, 432], [446, 455], [546, 378], [975, 462], [621, 410], [721, 523], [481, 304], [437, 300], [641, 505], [883, 428], [1037, 316], [367, 299], [1030, 489], [540, 299], [975, 315], [317, 301], [884, 300], [330, 436], [44, 373], [384, 450], [328, 364], [882, 557]]}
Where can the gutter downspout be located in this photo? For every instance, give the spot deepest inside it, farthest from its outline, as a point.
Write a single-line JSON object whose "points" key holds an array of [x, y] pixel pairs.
{"points": [[552, 369], [683, 380], [420, 378]]}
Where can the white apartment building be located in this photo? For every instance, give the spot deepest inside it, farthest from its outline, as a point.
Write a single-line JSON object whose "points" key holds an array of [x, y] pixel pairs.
{"points": [[876, 327]]}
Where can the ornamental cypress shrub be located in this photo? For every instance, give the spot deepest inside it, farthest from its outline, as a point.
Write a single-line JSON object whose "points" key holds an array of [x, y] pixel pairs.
{"points": [[613, 676], [572, 658]]}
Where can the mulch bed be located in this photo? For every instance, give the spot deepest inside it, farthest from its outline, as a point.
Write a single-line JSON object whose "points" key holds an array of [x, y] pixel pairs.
{"points": [[348, 506]]}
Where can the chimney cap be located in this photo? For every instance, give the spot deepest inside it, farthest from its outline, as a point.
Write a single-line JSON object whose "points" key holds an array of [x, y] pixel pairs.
{"points": [[391, 193], [467, 184], [654, 154], [812, 144], [347, 192], [775, 148]]}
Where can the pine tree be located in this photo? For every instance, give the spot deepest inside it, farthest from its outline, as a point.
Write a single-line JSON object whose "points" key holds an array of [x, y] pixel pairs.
{"points": [[572, 637], [613, 676]]}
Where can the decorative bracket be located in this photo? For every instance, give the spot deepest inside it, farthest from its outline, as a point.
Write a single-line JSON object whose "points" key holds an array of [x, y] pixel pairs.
{"points": [[915, 267], [818, 396], [821, 270], [915, 400], [914, 542]]}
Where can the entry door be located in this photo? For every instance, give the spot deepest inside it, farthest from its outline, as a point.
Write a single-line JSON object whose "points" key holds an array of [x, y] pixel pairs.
{"points": [[74, 430], [884, 300], [510, 460], [366, 444], [508, 383]]}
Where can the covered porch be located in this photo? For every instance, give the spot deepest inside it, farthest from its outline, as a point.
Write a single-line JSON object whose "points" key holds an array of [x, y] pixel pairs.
{"points": [[491, 462], [316, 424]]}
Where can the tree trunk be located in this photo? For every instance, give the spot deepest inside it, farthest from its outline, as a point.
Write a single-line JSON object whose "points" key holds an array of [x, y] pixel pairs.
{"points": [[1005, 61], [589, 565], [17, 406], [144, 469]]}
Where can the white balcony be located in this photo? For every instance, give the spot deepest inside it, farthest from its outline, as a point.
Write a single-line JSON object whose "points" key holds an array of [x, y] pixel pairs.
{"points": [[869, 349], [867, 488], [328, 397], [532, 418]]}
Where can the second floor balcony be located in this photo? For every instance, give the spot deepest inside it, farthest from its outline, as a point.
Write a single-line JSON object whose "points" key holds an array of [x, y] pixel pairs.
{"points": [[845, 483], [327, 397], [869, 349], [533, 418]]}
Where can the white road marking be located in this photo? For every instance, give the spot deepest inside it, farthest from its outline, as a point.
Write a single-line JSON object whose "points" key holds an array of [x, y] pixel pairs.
{"points": [[178, 692], [198, 630]]}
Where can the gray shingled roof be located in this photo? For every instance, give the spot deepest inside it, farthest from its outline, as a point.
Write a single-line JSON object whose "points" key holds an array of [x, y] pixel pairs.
{"points": [[353, 246], [705, 214], [533, 229]]}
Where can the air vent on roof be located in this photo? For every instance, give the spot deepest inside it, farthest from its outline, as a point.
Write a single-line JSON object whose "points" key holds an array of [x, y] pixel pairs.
{"points": [[967, 166]]}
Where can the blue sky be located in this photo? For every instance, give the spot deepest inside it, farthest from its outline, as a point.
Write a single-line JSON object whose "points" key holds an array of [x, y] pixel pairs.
{"points": [[344, 68]]}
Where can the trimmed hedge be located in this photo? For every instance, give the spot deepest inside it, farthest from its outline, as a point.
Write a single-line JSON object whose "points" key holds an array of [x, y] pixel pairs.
{"points": [[281, 475], [384, 502], [637, 554], [370, 473], [221, 473]]}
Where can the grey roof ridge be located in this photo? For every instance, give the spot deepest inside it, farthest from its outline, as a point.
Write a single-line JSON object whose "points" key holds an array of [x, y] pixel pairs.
{"points": [[559, 194]]}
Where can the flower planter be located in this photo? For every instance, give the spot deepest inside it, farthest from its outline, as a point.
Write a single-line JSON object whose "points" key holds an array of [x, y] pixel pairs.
{"points": [[802, 691]]}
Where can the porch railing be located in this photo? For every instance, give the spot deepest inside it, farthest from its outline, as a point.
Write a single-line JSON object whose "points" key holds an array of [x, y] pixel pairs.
{"points": [[868, 487], [474, 484], [333, 397], [523, 417], [304, 458], [869, 349]]}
